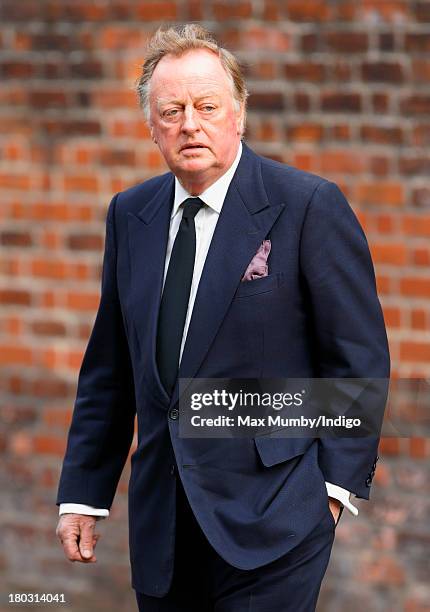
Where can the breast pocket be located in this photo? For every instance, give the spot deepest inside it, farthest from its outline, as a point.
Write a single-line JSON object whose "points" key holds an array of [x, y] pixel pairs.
{"points": [[258, 285]]}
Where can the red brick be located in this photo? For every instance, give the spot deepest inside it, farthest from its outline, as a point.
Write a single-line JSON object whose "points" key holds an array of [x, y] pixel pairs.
{"points": [[15, 354], [90, 69], [379, 165], [380, 102], [15, 181], [18, 239], [333, 161], [272, 10], [421, 69], [340, 132], [381, 134], [390, 253], [311, 10], [81, 183], [21, 444], [304, 161], [23, 11], [341, 102], [19, 297], [421, 11], [70, 127], [339, 70], [383, 284], [82, 301], [57, 417], [415, 286], [417, 104], [419, 318], [414, 165], [346, 11], [138, 129], [418, 448], [416, 603], [118, 157], [381, 193], [382, 72], [85, 242], [304, 71], [392, 316], [17, 69], [266, 131], [273, 101], [388, 10], [309, 43], [346, 42], [418, 225], [417, 41], [114, 98], [234, 10], [48, 328], [382, 570], [421, 256], [420, 134], [261, 70], [386, 41], [73, 359], [415, 351], [43, 100], [305, 132], [302, 101], [49, 445], [156, 10]]}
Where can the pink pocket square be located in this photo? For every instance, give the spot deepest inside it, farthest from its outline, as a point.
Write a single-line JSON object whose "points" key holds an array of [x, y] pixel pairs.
{"points": [[258, 266]]}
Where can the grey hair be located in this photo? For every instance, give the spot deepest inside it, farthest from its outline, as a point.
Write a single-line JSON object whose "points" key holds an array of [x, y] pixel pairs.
{"points": [[176, 41]]}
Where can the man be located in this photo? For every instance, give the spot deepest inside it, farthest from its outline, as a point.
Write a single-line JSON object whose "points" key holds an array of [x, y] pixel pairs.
{"points": [[227, 524]]}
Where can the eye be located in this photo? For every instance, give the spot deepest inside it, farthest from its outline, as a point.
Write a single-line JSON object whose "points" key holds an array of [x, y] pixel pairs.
{"points": [[171, 112], [208, 108]]}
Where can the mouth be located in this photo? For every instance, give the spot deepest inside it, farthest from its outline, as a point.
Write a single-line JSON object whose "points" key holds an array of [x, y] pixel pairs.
{"points": [[193, 147]]}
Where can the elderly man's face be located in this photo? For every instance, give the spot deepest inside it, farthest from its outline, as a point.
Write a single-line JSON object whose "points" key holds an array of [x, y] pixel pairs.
{"points": [[193, 118]]}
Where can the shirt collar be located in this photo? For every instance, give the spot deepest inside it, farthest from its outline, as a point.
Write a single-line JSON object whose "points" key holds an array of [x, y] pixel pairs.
{"points": [[214, 195]]}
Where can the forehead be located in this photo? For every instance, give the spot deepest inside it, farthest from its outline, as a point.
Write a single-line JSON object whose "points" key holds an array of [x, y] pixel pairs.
{"points": [[198, 70]]}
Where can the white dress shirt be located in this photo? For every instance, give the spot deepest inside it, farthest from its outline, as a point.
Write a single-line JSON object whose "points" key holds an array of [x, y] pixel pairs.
{"points": [[205, 222]]}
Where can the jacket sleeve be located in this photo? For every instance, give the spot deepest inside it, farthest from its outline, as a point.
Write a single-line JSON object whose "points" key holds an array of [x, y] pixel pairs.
{"points": [[347, 326], [102, 425]]}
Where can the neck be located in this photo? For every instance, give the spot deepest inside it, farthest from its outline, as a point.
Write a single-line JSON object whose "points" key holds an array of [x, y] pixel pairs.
{"points": [[196, 183]]}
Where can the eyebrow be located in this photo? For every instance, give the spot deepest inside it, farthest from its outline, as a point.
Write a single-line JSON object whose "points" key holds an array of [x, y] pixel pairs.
{"points": [[207, 94]]}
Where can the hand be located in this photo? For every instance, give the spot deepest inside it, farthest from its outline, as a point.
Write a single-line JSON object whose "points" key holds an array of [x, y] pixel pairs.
{"points": [[76, 533], [335, 506]]}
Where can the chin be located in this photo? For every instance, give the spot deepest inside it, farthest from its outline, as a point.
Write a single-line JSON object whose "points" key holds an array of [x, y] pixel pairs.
{"points": [[195, 165]]}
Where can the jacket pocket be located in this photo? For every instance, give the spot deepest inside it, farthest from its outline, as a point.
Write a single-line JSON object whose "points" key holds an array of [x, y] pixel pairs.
{"points": [[277, 450], [258, 285]]}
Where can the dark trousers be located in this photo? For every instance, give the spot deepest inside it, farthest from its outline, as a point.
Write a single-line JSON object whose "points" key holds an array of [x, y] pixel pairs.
{"points": [[204, 582]]}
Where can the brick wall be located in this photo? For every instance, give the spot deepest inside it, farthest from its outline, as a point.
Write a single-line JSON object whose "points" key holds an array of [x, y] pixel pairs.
{"points": [[340, 88]]}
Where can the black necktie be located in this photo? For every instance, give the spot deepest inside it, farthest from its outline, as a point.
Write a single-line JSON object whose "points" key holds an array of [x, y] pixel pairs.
{"points": [[176, 293]]}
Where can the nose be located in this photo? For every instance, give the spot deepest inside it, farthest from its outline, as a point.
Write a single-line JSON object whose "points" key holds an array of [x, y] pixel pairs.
{"points": [[190, 123]]}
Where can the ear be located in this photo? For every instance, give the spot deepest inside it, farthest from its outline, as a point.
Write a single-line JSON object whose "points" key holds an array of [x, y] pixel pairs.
{"points": [[240, 120], [151, 130]]}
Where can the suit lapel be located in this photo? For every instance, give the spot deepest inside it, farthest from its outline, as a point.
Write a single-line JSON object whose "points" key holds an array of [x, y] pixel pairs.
{"points": [[245, 220], [148, 236]]}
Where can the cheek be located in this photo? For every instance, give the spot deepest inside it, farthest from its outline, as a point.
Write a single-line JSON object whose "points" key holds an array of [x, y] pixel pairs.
{"points": [[166, 141]]}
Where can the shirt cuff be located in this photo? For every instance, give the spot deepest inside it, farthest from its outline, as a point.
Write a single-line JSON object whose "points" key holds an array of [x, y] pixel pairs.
{"points": [[83, 509], [343, 495]]}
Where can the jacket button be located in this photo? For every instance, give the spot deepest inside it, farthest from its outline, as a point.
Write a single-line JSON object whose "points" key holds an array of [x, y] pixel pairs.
{"points": [[174, 413], [172, 469], [368, 481]]}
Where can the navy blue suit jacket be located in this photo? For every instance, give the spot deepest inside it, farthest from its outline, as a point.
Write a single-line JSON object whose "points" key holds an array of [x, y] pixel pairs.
{"points": [[315, 315]]}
